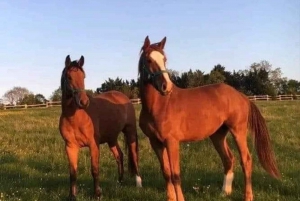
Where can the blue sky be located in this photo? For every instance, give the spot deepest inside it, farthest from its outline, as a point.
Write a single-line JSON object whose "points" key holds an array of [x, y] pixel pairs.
{"points": [[36, 36]]}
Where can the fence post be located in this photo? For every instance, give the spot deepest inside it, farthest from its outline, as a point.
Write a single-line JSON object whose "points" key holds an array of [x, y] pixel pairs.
{"points": [[4, 107], [25, 106]]}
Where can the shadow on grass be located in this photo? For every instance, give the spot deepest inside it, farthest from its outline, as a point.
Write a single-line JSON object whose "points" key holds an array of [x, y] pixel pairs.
{"points": [[197, 183]]}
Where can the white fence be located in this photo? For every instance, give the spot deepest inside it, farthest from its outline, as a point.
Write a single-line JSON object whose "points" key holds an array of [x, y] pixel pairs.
{"points": [[51, 104], [270, 98], [138, 101]]}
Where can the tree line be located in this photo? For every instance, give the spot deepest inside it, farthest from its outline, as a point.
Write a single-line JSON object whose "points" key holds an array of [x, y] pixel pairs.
{"points": [[259, 79]]}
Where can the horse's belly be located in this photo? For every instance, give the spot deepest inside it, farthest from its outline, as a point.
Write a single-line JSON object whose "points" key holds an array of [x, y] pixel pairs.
{"points": [[199, 130], [109, 131]]}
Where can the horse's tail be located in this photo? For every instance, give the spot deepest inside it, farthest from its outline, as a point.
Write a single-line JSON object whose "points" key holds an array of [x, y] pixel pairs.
{"points": [[131, 141], [261, 135]]}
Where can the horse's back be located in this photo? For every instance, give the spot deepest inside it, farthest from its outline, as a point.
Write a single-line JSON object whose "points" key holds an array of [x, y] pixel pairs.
{"points": [[110, 112], [114, 97], [216, 95]]}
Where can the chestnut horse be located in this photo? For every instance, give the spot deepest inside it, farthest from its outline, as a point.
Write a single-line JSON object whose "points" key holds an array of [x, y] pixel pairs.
{"points": [[88, 121], [171, 115]]}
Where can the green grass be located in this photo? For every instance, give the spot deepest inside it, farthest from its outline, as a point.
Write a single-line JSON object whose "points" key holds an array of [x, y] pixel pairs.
{"points": [[33, 164]]}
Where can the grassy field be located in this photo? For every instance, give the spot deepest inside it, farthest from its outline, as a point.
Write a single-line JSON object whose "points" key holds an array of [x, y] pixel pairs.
{"points": [[33, 164]]}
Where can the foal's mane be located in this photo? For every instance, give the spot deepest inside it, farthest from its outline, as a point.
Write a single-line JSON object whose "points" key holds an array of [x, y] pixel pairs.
{"points": [[147, 51]]}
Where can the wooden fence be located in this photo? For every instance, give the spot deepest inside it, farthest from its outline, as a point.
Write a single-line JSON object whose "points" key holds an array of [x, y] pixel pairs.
{"points": [[275, 98], [138, 101]]}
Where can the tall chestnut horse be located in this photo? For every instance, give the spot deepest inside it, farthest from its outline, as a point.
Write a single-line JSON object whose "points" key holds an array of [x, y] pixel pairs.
{"points": [[89, 121], [171, 115]]}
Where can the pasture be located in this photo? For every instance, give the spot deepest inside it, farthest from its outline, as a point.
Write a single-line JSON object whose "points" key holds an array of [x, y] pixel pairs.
{"points": [[33, 163]]}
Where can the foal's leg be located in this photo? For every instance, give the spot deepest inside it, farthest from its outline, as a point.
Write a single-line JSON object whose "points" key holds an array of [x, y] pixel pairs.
{"points": [[162, 155], [72, 153], [240, 136], [94, 150], [172, 146], [219, 141], [118, 154]]}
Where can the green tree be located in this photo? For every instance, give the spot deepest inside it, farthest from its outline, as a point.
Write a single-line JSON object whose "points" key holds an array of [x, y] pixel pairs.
{"points": [[90, 92], [28, 99], [216, 77], [56, 95], [40, 98]]}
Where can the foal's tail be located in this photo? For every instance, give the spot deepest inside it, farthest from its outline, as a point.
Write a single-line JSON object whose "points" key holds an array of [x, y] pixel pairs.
{"points": [[260, 131], [131, 141]]}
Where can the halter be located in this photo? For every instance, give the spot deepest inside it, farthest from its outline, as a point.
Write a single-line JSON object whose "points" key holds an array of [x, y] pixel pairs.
{"points": [[151, 76]]}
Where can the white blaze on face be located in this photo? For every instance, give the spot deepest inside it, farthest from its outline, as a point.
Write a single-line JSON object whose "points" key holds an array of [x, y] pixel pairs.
{"points": [[159, 59], [227, 183]]}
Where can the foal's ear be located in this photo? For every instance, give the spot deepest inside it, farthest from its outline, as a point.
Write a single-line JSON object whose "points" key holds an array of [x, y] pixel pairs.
{"points": [[68, 61], [162, 43], [146, 43], [81, 61]]}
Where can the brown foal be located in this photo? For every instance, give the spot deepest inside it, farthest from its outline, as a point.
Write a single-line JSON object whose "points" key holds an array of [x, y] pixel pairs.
{"points": [[89, 121], [171, 115]]}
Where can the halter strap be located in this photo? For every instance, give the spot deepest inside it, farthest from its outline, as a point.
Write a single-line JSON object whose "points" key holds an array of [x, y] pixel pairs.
{"points": [[151, 76]]}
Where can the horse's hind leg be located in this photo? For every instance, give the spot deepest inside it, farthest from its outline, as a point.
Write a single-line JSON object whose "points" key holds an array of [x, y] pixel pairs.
{"points": [[240, 136], [118, 154], [219, 141], [94, 150], [131, 138], [72, 153]]}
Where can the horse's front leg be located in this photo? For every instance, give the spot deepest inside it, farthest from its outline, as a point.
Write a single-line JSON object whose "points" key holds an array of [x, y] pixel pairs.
{"points": [[172, 146], [94, 150], [72, 153], [162, 155]]}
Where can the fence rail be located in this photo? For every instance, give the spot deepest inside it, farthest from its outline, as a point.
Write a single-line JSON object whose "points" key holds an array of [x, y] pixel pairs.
{"points": [[138, 101], [274, 98]]}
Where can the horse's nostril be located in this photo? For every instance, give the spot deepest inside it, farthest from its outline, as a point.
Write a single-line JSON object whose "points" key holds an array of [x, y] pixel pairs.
{"points": [[163, 87], [84, 103]]}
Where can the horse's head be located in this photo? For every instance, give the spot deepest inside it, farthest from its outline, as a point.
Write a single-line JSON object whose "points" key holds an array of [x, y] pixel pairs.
{"points": [[72, 82], [152, 66]]}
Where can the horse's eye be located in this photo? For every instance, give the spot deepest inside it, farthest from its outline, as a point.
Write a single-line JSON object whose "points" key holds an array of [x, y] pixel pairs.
{"points": [[69, 78], [149, 61]]}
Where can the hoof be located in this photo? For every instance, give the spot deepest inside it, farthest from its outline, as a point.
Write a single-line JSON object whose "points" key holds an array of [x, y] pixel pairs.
{"points": [[225, 193], [249, 198], [72, 198], [98, 193], [138, 181]]}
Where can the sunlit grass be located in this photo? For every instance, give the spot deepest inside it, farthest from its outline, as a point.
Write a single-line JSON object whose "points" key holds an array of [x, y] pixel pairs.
{"points": [[33, 163]]}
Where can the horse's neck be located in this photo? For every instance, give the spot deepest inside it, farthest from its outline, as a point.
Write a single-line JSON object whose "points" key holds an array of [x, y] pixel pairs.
{"points": [[152, 101], [68, 107]]}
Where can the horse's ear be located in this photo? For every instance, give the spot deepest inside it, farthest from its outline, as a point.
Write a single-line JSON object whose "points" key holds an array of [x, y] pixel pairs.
{"points": [[146, 43], [163, 42], [81, 61], [68, 61]]}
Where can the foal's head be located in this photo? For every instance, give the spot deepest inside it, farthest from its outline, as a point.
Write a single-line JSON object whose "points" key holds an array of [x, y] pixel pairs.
{"points": [[152, 66], [72, 82]]}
